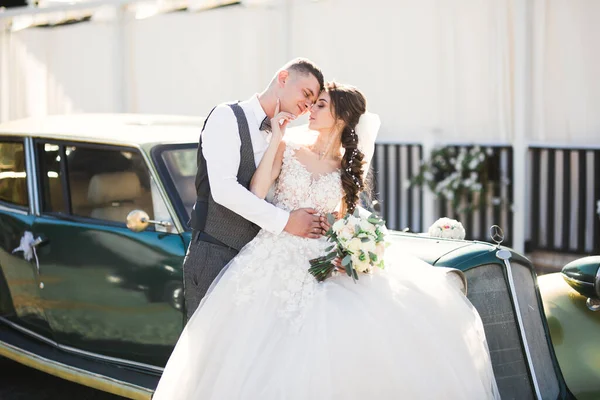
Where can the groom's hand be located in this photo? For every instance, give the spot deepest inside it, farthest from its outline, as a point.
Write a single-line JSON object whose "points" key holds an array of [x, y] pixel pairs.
{"points": [[304, 222]]}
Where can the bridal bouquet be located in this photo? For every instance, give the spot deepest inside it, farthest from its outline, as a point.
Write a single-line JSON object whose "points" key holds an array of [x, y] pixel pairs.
{"points": [[357, 241]]}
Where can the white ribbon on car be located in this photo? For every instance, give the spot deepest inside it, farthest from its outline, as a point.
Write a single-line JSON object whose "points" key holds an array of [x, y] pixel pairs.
{"points": [[27, 246]]}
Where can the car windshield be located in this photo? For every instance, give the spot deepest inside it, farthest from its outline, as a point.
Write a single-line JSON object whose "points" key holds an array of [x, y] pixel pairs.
{"points": [[177, 164]]}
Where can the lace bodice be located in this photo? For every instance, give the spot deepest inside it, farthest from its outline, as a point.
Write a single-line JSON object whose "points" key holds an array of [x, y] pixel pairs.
{"points": [[278, 263], [297, 187]]}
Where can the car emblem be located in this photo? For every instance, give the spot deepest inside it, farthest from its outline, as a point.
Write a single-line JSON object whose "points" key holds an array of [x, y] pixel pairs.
{"points": [[496, 234]]}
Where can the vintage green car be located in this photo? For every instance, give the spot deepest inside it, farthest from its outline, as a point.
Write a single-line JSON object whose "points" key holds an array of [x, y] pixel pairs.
{"points": [[89, 297]]}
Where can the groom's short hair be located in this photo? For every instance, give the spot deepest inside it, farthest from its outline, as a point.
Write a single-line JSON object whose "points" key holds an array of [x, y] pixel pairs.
{"points": [[305, 67]]}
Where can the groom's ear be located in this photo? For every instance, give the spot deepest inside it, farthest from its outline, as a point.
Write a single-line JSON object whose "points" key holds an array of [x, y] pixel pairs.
{"points": [[282, 77]]}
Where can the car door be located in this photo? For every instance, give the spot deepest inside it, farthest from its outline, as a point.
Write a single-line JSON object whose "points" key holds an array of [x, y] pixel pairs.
{"points": [[107, 290], [20, 302]]}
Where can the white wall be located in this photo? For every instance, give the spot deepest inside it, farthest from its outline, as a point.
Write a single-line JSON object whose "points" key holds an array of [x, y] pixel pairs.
{"points": [[566, 84], [425, 65]]}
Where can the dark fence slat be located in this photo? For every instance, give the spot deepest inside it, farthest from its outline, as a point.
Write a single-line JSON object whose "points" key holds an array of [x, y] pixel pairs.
{"points": [[497, 193], [386, 189], [596, 218], [536, 197], [550, 179], [566, 199], [582, 198], [398, 207], [374, 175], [409, 193], [510, 213], [421, 220]]}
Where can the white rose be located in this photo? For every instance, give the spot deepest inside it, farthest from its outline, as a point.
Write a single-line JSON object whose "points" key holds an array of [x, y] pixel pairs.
{"points": [[353, 221], [367, 247], [354, 246], [448, 233], [346, 233], [360, 266], [367, 226], [338, 226]]}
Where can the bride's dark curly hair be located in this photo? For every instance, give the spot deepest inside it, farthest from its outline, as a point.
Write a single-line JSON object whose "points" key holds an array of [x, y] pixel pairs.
{"points": [[347, 105]]}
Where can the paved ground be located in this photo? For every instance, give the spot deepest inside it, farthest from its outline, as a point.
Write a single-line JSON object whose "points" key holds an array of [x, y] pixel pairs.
{"points": [[18, 382]]}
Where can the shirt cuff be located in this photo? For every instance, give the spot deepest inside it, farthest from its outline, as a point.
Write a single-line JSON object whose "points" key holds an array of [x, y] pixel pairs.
{"points": [[280, 221]]}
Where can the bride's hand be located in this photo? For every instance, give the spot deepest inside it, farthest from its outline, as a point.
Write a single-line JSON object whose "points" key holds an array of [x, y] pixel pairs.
{"points": [[338, 265], [325, 224], [279, 122]]}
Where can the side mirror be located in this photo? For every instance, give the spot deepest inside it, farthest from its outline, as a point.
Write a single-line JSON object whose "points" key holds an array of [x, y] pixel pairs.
{"points": [[138, 220], [583, 275]]}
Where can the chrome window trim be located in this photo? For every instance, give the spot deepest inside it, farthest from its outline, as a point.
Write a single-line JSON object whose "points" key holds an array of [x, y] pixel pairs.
{"points": [[83, 352], [505, 256], [161, 188], [16, 208], [13, 209], [32, 176]]}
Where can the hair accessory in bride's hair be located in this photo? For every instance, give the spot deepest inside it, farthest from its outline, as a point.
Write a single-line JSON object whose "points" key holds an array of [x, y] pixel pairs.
{"points": [[366, 130]]}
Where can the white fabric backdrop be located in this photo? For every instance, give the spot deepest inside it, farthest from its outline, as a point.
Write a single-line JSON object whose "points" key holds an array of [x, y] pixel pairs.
{"points": [[426, 66], [566, 62], [60, 70]]}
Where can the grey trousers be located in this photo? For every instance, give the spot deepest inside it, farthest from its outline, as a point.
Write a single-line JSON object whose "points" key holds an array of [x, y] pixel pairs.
{"points": [[202, 264]]}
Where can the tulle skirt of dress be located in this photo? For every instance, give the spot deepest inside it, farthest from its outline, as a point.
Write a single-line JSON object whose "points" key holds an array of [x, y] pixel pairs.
{"points": [[266, 330]]}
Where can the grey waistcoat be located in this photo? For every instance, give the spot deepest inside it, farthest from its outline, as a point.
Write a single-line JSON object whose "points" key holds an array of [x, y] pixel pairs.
{"points": [[219, 222]]}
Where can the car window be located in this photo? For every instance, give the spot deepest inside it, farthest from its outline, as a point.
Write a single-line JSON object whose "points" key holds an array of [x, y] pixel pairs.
{"points": [[49, 156], [181, 166], [13, 178], [103, 183]]}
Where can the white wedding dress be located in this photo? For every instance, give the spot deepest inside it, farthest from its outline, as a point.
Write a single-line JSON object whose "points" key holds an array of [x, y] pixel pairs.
{"points": [[267, 330]]}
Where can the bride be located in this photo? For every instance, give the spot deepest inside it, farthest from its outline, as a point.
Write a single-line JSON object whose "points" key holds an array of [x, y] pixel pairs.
{"points": [[268, 330]]}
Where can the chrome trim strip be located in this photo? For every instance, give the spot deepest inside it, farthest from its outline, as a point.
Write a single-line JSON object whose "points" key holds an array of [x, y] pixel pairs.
{"points": [[28, 332], [77, 351], [32, 177], [112, 359], [13, 210], [569, 279], [597, 283], [74, 374], [154, 175], [505, 255]]}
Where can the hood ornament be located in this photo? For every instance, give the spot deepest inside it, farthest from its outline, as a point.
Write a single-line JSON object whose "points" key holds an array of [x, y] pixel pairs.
{"points": [[496, 234]]}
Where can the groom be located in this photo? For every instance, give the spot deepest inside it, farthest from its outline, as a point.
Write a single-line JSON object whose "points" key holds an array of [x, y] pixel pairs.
{"points": [[227, 215]]}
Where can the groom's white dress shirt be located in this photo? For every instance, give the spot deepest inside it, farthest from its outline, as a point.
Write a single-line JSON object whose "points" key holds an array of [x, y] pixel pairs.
{"points": [[221, 149]]}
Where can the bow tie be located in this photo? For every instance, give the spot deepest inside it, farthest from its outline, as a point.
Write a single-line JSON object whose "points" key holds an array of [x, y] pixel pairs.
{"points": [[265, 125]]}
